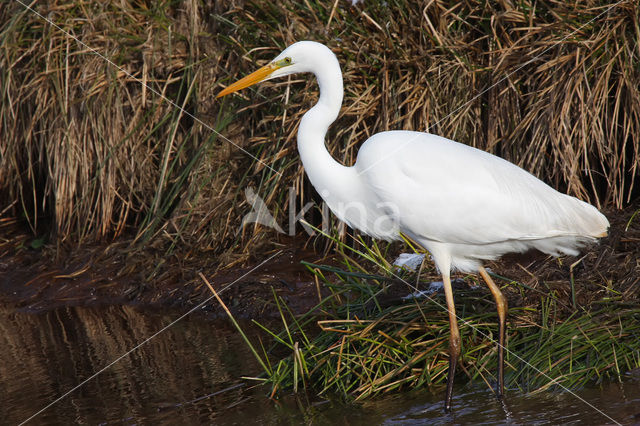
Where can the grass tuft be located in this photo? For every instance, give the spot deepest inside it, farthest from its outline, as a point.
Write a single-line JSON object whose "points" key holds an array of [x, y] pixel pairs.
{"points": [[359, 342]]}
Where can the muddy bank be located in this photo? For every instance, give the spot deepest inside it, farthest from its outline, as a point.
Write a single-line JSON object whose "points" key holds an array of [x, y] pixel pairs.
{"points": [[39, 280], [36, 280]]}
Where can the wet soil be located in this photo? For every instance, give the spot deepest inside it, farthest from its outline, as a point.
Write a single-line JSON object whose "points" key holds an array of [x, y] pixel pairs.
{"points": [[48, 278], [111, 275]]}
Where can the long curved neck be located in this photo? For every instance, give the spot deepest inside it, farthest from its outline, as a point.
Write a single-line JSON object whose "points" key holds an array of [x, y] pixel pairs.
{"points": [[324, 172]]}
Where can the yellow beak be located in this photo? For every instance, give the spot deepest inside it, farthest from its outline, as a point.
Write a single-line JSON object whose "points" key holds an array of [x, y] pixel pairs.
{"points": [[251, 79]]}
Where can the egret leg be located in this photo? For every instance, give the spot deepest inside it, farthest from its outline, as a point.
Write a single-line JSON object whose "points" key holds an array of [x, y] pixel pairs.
{"points": [[501, 303], [454, 339]]}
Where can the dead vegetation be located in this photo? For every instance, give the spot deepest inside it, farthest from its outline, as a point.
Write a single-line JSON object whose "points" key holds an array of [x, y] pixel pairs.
{"points": [[94, 146]]}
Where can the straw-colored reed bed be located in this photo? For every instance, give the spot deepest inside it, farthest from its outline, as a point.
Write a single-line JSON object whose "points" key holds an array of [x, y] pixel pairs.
{"points": [[89, 153]]}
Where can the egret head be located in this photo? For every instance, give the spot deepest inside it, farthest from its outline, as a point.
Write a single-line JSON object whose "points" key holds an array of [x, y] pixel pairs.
{"points": [[297, 58]]}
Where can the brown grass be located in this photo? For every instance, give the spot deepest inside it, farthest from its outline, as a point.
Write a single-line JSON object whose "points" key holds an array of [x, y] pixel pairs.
{"points": [[88, 153]]}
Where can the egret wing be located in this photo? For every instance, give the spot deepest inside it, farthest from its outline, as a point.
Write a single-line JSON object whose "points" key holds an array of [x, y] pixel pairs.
{"points": [[445, 191]]}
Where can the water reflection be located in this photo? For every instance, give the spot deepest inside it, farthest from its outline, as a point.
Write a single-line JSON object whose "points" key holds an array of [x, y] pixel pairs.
{"points": [[43, 356], [190, 374]]}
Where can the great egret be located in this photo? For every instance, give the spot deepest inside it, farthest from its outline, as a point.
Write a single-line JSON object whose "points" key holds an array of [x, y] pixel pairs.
{"points": [[461, 204]]}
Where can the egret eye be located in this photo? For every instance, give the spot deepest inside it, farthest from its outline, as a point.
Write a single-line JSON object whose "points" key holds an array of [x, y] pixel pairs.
{"points": [[284, 62]]}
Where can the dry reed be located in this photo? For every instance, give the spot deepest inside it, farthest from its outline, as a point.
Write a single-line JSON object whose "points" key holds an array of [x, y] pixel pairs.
{"points": [[88, 153]]}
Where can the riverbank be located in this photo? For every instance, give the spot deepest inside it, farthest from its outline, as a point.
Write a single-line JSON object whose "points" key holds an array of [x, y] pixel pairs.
{"points": [[46, 278]]}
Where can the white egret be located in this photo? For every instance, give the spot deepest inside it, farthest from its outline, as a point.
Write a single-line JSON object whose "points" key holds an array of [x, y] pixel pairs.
{"points": [[461, 204]]}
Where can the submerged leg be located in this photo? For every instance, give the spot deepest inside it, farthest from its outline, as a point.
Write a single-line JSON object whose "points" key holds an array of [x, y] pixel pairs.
{"points": [[454, 339], [501, 303]]}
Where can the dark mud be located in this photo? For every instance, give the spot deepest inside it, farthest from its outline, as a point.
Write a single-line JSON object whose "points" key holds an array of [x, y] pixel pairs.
{"points": [[102, 275]]}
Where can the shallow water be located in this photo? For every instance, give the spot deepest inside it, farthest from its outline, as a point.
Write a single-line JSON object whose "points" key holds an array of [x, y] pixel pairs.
{"points": [[189, 374]]}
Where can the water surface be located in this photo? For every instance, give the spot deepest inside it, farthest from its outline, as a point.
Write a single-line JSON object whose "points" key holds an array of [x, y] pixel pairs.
{"points": [[190, 374]]}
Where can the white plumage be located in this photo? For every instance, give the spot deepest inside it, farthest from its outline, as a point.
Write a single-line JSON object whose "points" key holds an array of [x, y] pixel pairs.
{"points": [[466, 205], [461, 204]]}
